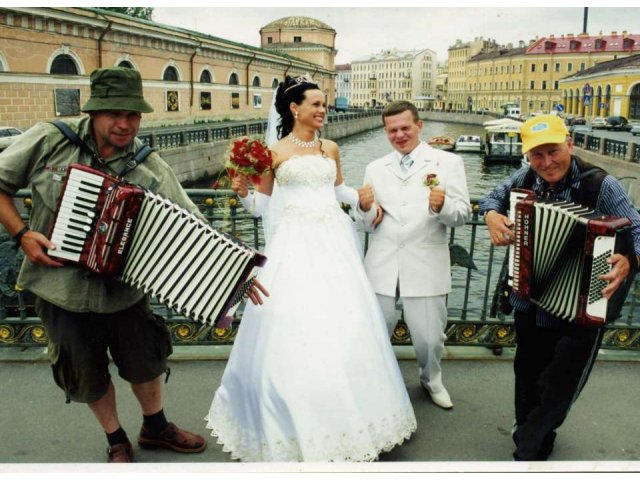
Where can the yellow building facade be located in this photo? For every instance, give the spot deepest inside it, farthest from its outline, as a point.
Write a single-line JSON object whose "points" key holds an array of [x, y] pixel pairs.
{"points": [[47, 55], [608, 88], [301, 37], [530, 76], [458, 55]]}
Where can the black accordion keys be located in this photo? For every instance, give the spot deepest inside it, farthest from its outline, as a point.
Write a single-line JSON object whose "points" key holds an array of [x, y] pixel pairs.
{"points": [[119, 230], [560, 250]]}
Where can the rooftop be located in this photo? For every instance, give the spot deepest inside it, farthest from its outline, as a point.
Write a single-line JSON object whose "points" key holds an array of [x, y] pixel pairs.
{"points": [[297, 22], [631, 62], [585, 43]]}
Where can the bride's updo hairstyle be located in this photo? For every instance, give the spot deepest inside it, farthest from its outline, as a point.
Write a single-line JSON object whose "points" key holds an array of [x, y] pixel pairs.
{"points": [[291, 90]]}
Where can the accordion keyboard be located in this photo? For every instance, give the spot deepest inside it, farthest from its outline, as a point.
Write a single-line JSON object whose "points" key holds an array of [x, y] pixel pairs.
{"points": [[76, 215]]}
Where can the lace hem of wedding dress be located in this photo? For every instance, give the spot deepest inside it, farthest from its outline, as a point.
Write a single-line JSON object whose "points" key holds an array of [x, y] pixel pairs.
{"points": [[363, 446]]}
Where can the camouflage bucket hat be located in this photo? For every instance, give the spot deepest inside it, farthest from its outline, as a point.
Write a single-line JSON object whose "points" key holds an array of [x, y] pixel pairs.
{"points": [[116, 88]]}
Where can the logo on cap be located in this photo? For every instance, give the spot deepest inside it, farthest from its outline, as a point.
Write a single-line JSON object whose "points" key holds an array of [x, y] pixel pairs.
{"points": [[540, 127]]}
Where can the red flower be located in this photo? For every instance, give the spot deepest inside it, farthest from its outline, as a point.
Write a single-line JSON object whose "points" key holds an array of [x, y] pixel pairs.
{"points": [[249, 157], [216, 185]]}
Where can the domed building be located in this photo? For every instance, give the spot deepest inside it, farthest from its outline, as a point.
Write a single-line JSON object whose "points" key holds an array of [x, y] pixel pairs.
{"points": [[303, 37]]}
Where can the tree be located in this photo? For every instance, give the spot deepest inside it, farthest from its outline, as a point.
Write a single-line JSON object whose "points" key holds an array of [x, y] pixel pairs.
{"points": [[139, 12]]}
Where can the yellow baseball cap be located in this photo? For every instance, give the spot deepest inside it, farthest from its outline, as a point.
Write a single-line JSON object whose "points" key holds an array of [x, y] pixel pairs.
{"points": [[541, 130]]}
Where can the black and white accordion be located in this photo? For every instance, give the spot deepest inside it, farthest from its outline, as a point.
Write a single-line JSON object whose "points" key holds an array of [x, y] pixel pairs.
{"points": [[560, 250], [118, 230]]}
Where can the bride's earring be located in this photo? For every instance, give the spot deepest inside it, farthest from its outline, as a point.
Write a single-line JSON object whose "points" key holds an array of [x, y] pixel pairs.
{"points": [[295, 115]]}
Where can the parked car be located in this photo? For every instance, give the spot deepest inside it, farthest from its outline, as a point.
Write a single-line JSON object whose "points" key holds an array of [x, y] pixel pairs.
{"points": [[580, 129], [8, 135], [598, 122], [617, 123], [635, 129]]}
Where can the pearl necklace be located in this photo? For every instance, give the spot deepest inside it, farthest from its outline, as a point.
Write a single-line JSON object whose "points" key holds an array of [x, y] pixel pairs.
{"points": [[300, 143]]}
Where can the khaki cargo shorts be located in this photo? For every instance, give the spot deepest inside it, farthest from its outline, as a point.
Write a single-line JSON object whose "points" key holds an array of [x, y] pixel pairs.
{"points": [[139, 343]]}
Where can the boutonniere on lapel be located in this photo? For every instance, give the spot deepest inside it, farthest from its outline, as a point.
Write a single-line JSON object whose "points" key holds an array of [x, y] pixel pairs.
{"points": [[431, 180]]}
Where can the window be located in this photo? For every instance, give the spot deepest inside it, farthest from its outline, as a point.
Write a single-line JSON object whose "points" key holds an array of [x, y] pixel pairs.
{"points": [[170, 74], [627, 43], [257, 101], [205, 100], [125, 64], [256, 81], [233, 80], [205, 77], [581, 66], [544, 67], [533, 67], [269, 39], [574, 45], [297, 39], [555, 85], [600, 43], [275, 83], [569, 67], [557, 67], [532, 85], [64, 65], [235, 100], [544, 85]]}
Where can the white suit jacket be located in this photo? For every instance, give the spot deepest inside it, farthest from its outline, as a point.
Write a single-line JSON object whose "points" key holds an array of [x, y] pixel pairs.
{"points": [[411, 243]]}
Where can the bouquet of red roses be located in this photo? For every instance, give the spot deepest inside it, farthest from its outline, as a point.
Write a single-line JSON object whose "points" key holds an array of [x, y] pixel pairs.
{"points": [[249, 157]]}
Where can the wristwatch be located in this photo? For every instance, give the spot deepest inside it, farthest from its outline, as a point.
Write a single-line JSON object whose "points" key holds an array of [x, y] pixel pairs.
{"points": [[18, 236]]}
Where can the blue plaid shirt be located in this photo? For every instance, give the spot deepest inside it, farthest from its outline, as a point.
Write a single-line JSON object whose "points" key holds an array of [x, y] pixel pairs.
{"points": [[612, 200]]}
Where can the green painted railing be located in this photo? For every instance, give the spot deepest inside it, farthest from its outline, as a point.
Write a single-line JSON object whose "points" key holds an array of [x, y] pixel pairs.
{"points": [[475, 317]]}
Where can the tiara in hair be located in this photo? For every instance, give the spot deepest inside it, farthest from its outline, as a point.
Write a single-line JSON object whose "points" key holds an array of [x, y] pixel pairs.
{"points": [[306, 78]]}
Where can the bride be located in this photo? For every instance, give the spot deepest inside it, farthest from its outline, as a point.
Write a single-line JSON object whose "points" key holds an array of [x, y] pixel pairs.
{"points": [[312, 375]]}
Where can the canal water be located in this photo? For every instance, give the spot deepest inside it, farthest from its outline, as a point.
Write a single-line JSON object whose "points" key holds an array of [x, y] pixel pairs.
{"points": [[358, 150]]}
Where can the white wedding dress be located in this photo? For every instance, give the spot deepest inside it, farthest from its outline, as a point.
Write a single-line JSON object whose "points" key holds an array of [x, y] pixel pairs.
{"points": [[312, 375]]}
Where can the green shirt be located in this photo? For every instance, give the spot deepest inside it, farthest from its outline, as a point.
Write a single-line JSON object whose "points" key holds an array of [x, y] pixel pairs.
{"points": [[40, 158]]}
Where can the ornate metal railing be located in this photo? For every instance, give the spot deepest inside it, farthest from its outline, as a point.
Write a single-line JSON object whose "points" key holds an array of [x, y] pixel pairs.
{"points": [[593, 144], [473, 305], [182, 136], [615, 148]]}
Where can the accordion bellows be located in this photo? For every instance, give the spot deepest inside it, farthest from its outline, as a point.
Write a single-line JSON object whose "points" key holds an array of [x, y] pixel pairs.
{"points": [[560, 251], [118, 230]]}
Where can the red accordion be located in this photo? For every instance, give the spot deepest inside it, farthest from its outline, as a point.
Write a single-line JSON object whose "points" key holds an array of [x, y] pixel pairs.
{"points": [[560, 250], [119, 230]]}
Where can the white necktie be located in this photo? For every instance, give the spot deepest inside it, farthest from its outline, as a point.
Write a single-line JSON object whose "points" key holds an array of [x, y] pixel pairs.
{"points": [[405, 162]]}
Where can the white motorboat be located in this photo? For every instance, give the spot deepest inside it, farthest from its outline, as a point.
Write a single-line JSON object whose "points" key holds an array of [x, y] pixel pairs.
{"points": [[469, 143]]}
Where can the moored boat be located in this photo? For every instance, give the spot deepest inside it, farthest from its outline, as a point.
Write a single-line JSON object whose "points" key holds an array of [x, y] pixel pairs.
{"points": [[468, 143], [443, 142], [503, 143]]}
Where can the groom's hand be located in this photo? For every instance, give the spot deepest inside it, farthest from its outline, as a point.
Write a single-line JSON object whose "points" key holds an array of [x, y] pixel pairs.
{"points": [[436, 199], [365, 197]]}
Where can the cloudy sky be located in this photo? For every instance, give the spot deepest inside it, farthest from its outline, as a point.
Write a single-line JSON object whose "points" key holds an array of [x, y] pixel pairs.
{"points": [[362, 30]]}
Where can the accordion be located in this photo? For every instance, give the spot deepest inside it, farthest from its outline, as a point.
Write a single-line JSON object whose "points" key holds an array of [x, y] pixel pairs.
{"points": [[116, 229], [560, 250]]}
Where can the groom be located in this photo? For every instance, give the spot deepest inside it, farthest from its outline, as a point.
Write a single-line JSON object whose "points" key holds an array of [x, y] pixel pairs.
{"points": [[422, 191]]}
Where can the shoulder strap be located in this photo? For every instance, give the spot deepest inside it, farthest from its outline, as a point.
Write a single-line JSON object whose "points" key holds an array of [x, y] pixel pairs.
{"points": [[140, 156], [591, 178]]}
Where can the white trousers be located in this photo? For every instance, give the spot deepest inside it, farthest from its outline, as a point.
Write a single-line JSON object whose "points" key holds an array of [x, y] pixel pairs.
{"points": [[426, 318]]}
